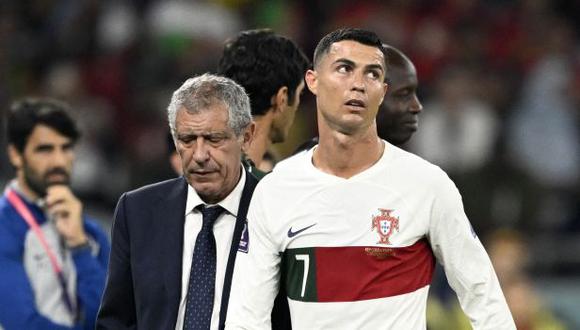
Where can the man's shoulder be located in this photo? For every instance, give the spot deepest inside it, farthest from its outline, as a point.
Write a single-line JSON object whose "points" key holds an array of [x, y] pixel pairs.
{"points": [[158, 190], [291, 171], [10, 218], [294, 164], [5, 207], [405, 159], [417, 171]]}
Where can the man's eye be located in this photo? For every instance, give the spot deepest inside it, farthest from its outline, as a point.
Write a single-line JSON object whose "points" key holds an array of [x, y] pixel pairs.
{"points": [[216, 138], [373, 74], [404, 93], [185, 139], [43, 149], [342, 69]]}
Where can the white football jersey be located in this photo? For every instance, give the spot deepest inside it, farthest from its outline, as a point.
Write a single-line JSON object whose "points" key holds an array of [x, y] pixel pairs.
{"points": [[359, 253]]}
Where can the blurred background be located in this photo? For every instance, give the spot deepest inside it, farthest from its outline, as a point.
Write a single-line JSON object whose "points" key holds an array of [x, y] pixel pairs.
{"points": [[499, 81]]}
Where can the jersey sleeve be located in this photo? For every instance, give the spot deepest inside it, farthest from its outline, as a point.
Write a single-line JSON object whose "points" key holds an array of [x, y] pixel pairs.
{"points": [[256, 274], [465, 261]]}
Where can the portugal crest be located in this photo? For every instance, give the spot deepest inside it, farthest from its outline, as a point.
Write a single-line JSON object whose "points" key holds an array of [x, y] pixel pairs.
{"points": [[385, 224]]}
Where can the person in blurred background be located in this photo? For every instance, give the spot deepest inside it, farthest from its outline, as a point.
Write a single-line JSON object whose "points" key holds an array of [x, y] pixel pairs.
{"points": [[271, 69], [509, 254], [53, 256], [174, 242], [398, 116]]}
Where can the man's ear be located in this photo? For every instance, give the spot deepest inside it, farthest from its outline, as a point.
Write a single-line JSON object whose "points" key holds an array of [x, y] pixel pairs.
{"points": [[280, 99], [248, 136], [311, 79], [15, 156]]}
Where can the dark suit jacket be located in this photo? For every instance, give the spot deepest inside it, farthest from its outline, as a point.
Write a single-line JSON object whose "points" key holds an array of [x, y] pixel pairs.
{"points": [[144, 281]]}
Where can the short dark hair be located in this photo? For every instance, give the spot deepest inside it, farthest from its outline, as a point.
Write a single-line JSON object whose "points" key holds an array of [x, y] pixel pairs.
{"points": [[395, 58], [263, 62], [25, 114], [364, 37]]}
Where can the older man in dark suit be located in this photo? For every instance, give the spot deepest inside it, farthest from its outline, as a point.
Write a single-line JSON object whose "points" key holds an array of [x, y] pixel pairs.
{"points": [[174, 242]]}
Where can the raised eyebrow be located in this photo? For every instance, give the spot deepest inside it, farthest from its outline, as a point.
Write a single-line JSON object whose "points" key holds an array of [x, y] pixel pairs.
{"points": [[375, 66], [344, 61]]}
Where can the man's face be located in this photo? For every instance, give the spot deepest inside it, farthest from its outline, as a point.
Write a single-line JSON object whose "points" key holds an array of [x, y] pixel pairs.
{"points": [[210, 151], [282, 123], [46, 160], [349, 86], [398, 117]]}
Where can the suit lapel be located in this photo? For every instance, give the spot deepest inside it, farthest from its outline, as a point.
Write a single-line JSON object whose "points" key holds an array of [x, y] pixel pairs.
{"points": [[172, 211]]}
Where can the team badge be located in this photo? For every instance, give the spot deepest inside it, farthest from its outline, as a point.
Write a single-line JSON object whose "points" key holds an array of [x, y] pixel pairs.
{"points": [[385, 224]]}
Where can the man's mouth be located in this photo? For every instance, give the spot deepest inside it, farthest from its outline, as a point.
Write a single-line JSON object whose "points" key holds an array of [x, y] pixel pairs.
{"points": [[201, 173], [56, 176], [356, 104], [412, 124]]}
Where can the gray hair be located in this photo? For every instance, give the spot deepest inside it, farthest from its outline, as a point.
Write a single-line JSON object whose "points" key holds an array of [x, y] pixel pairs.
{"points": [[198, 93]]}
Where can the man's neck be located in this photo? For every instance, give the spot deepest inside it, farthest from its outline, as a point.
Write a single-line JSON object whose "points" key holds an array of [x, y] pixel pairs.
{"points": [[261, 140], [347, 155]]}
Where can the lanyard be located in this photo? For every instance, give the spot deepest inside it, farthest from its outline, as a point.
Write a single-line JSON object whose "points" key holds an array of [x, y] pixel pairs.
{"points": [[25, 213]]}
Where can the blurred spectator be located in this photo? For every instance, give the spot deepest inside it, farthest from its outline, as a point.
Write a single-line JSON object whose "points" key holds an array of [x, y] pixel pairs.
{"points": [[544, 130], [509, 254], [544, 126], [458, 131], [53, 257]]}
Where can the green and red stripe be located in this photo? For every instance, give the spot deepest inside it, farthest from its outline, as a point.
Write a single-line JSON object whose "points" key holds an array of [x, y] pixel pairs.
{"points": [[339, 274]]}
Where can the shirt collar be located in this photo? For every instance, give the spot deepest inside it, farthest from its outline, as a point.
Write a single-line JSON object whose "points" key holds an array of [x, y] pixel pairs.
{"points": [[230, 203]]}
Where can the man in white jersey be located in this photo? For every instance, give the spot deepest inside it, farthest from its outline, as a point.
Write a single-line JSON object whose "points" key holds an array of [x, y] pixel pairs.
{"points": [[352, 227]]}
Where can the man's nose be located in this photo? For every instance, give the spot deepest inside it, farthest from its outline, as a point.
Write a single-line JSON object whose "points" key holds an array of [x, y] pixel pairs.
{"points": [[358, 83], [59, 158], [201, 152], [416, 106]]}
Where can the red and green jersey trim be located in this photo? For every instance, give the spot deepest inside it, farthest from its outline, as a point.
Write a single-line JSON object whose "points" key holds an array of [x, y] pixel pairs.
{"points": [[354, 273]]}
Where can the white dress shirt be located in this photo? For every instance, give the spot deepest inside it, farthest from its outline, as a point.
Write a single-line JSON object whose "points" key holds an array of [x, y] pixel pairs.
{"points": [[223, 231]]}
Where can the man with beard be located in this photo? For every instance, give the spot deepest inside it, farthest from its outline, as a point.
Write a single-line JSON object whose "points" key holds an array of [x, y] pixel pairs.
{"points": [[53, 257]]}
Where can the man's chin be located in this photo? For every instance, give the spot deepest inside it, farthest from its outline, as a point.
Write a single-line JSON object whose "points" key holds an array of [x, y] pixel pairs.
{"points": [[209, 196]]}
